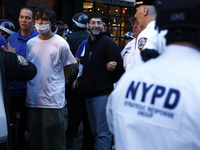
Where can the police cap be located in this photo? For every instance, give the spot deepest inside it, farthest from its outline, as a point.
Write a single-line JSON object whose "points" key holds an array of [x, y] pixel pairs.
{"points": [[7, 26], [138, 3], [129, 35], [178, 13], [80, 19], [60, 22]]}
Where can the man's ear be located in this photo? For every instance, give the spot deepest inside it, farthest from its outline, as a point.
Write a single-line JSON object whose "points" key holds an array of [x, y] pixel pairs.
{"points": [[87, 26], [145, 10]]}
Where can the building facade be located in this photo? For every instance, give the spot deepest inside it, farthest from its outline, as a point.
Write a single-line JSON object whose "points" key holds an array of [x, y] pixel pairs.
{"points": [[118, 12]]}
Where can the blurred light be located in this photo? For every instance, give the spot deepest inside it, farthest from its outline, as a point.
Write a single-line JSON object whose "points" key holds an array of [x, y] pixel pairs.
{"points": [[124, 10]]}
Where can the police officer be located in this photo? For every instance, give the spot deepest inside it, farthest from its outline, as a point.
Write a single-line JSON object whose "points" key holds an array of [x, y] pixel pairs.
{"points": [[6, 28], [128, 36], [130, 54], [13, 67], [156, 105], [79, 32], [149, 38], [73, 95]]}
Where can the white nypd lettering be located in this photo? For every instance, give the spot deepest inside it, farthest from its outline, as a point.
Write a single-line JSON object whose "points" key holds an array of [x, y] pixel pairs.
{"points": [[157, 104], [158, 93]]}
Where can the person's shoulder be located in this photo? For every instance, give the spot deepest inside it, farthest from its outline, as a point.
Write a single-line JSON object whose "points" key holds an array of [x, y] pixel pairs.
{"points": [[35, 33], [147, 36], [131, 43], [33, 39], [107, 38], [13, 36], [84, 42], [147, 33], [70, 36], [57, 39]]}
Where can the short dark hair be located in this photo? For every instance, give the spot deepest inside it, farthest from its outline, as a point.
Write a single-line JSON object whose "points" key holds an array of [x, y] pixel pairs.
{"points": [[45, 13], [95, 15], [28, 7]]}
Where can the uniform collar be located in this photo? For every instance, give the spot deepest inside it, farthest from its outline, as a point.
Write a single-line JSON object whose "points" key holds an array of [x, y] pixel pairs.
{"points": [[25, 38], [151, 24]]}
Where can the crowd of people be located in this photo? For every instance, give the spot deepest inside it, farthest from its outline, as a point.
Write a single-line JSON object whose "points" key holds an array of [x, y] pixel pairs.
{"points": [[144, 96]]}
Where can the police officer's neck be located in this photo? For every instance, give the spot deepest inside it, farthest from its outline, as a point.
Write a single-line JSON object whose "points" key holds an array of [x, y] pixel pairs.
{"points": [[148, 20], [186, 44]]}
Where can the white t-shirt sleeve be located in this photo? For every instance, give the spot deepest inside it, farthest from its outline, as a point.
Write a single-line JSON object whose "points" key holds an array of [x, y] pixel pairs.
{"points": [[66, 56]]}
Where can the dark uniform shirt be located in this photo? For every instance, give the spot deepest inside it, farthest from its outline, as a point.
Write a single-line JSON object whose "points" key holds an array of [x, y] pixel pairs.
{"points": [[75, 38]]}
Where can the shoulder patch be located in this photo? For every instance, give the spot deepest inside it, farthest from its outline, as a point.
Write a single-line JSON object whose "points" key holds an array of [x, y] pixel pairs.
{"points": [[141, 43], [22, 60]]}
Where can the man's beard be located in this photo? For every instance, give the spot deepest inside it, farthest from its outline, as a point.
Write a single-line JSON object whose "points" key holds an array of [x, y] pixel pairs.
{"points": [[99, 30]]}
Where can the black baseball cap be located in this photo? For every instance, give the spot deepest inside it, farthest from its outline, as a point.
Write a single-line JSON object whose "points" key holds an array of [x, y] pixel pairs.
{"points": [[138, 3]]}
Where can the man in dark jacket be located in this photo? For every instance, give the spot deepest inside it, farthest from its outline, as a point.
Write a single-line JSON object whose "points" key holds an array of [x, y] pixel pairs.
{"points": [[12, 67], [102, 67], [73, 94], [80, 32]]}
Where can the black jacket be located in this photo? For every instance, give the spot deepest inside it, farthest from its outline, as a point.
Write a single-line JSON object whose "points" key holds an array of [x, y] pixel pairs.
{"points": [[96, 79], [13, 67], [75, 38]]}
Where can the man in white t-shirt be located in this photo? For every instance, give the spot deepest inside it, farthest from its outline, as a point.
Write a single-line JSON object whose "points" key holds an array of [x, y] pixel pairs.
{"points": [[155, 106], [46, 92]]}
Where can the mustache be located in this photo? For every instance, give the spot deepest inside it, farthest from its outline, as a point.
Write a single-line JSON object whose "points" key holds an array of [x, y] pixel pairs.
{"points": [[97, 28]]}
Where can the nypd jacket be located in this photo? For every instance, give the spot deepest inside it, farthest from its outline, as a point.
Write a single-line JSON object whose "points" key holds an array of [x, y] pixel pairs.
{"points": [[96, 79], [155, 105], [13, 67]]}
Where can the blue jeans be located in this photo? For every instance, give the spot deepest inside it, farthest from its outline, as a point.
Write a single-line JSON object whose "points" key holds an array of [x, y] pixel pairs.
{"points": [[96, 109]]}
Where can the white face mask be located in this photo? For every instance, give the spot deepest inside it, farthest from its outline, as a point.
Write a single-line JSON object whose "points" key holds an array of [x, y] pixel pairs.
{"points": [[42, 28]]}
